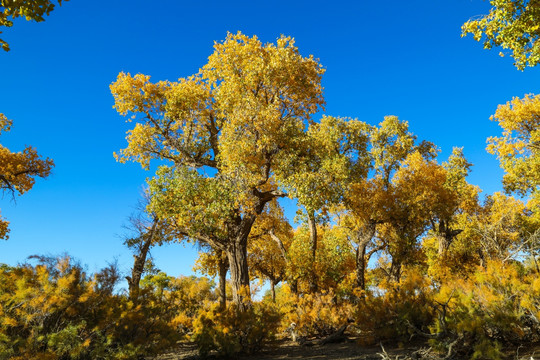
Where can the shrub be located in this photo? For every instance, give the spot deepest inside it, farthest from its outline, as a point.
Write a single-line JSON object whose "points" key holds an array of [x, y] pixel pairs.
{"points": [[395, 310], [314, 315], [497, 305], [235, 329], [54, 310]]}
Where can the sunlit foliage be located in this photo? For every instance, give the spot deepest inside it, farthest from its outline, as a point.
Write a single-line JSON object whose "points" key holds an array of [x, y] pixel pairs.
{"points": [[510, 24], [54, 310], [229, 134], [518, 149], [18, 171]]}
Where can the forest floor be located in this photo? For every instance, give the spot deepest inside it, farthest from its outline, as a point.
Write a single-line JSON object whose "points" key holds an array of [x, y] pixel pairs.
{"points": [[286, 349], [349, 350]]}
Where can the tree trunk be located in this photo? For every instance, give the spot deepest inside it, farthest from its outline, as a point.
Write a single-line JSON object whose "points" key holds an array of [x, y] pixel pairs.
{"points": [[223, 265], [313, 288], [445, 236], [139, 261], [273, 289], [361, 266], [294, 286], [363, 239], [238, 265], [236, 249], [395, 271]]}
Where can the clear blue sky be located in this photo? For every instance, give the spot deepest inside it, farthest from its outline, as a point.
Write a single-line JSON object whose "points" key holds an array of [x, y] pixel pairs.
{"points": [[403, 58]]}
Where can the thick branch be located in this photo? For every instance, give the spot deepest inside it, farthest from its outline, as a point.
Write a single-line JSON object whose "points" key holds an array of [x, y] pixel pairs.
{"points": [[279, 244]]}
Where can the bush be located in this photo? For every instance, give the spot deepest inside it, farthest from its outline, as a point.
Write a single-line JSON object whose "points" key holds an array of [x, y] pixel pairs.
{"points": [[497, 305], [234, 330], [313, 315], [395, 310], [55, 311]]}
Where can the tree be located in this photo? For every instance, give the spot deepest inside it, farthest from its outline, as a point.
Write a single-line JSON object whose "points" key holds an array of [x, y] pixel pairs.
{"points": [[229, 134], [268, 246], [510, 24], [214, 262], [420, 200], [499, 229], [18, 171], [334, 153], [332, 264], [29, 9], [461, 197], [369, 202], [148, 231]]}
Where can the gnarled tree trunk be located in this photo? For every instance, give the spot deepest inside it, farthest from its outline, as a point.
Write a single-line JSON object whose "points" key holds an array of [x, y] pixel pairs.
{"points": [[361, 266], [238, 267]]}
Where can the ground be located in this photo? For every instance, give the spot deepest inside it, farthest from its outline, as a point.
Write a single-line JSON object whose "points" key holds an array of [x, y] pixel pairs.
{"points": [[291, 351], [349, 350]]}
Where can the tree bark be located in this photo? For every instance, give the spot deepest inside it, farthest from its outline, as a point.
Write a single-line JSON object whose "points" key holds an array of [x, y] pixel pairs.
{"points": [[313, 288], [294, 286], [279, 244], [363, 240], [139, 261], [361, 266], [238, 265], [236, 248], [445, 236], [395, 270], [223, 265], [273, 289]]}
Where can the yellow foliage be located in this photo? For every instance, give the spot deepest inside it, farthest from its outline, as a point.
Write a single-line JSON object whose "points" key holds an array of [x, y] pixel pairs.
{"points": [[496, 305], [55, 311], [234, 330], [391, 310], [18, 170], [518, 149], [510, 24], [313, 315]]}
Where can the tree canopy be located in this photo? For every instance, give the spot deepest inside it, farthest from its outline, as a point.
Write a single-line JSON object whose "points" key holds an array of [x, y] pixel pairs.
{"points": [[31, 10], [510, 24], [229, 132]]}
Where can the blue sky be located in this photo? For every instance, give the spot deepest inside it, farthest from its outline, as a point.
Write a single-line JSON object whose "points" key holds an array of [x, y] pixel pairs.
{"points": [[403, 58]]}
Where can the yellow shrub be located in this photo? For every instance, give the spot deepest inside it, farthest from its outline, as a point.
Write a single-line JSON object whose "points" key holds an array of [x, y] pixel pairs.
{"points": [[234, 330], [393, 310], [497, 305], [313, 314]]}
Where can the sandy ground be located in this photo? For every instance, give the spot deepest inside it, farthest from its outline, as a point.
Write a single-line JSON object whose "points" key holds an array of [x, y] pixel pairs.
{"points": [[291, 351], [350, 350]]}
